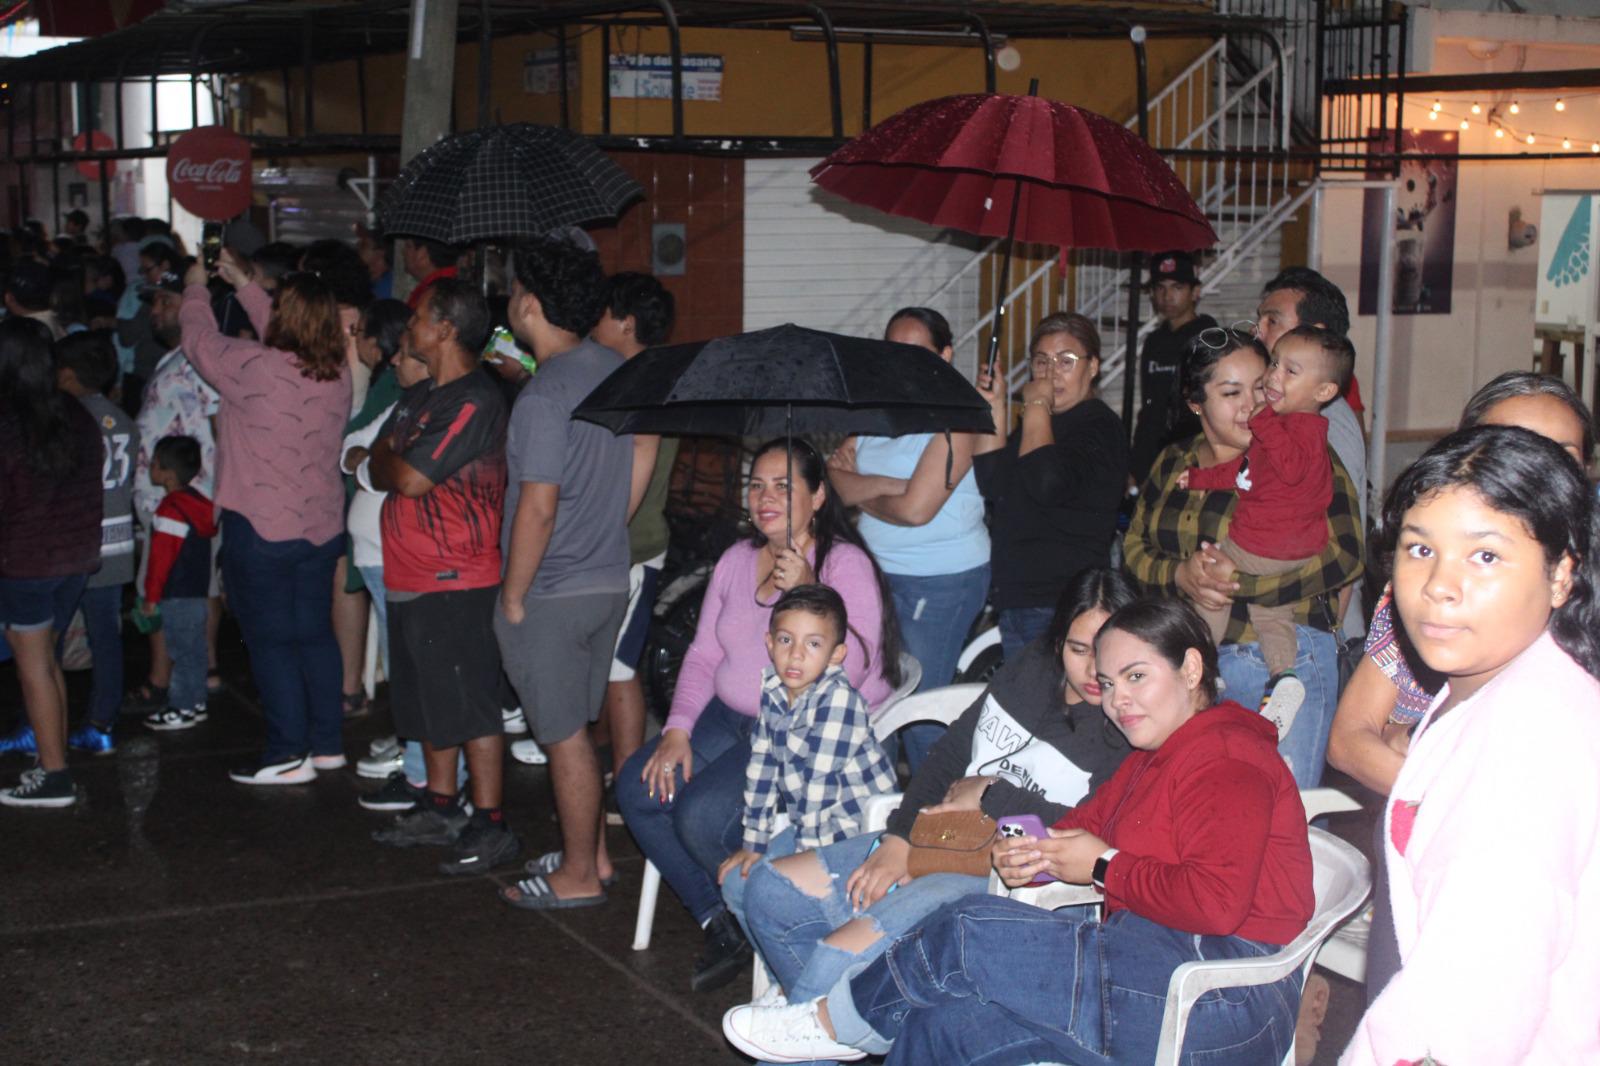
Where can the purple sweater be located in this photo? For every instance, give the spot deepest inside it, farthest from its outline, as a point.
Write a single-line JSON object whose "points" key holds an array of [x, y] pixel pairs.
{"points": [[730, 649], [278, 431]]}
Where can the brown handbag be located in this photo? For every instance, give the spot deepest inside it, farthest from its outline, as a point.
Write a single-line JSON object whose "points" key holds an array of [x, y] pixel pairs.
{"points": [[951, 842]]}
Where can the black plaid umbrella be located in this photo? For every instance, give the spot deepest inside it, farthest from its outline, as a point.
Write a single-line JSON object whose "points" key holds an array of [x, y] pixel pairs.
{"points": [[500, 182]]}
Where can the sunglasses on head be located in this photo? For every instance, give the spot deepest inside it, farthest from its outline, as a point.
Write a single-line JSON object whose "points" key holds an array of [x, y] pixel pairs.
{"points": [[1239, 334]]}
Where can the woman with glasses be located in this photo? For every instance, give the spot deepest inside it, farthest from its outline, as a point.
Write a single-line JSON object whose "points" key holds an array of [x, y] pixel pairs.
{"points": [[284, 403], [1170, 547], [1054, 480]]}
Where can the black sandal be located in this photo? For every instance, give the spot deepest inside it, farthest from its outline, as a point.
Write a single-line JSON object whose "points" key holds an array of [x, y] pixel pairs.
{"points": [[355, 705], [144, 699]]}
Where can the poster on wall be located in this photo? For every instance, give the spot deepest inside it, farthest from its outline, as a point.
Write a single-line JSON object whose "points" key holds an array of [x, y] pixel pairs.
{"points": [[541, 71], [1424, 225], [649, 77], [1566, 296]]}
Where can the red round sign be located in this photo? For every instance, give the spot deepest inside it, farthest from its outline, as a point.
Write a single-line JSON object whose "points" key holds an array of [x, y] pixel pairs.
{"points": [[209, 171], [94, 142]]}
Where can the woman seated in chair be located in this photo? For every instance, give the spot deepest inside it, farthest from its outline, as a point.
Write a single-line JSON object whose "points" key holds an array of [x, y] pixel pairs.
{"points": [[1034, 742], [682, 794], [1199, 844]]}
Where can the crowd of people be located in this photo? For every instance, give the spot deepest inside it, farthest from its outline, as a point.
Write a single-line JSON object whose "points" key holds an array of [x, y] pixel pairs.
{"points": [[276, 433]]}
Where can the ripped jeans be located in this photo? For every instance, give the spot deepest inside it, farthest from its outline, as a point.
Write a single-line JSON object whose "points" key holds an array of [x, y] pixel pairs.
{"points": [[788, 924]]}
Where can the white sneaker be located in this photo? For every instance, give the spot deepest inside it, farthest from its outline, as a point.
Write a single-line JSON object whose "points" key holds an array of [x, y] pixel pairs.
{"points": [[381, 766], [512, 720], [385, 746], [528, 751], [296, 771], [790, 1033], [329, 762], [1284, 703]]}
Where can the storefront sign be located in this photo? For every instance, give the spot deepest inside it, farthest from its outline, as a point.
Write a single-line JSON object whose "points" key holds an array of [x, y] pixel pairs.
{"points": [[649, 77], [209, 171]]}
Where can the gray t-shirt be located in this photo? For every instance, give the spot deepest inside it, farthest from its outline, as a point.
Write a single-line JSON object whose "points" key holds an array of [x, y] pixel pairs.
{"points": [[588, 549], [121, 439]]}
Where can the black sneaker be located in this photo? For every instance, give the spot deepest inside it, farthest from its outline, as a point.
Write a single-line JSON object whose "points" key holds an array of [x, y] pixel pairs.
{"points": [[427, 826], [41, 788], [397, 794], [727, 952], [481, 848]]}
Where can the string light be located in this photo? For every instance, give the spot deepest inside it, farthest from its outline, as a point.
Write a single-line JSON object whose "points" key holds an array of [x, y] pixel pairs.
{"points": [[1561, 105], [1566, 142], [1499, 133], [1516, 109], [1465, 124], [1530, 138], [1595, 148], [1436, 106], [1433, 116], [1476, 108], [1493, 121]]}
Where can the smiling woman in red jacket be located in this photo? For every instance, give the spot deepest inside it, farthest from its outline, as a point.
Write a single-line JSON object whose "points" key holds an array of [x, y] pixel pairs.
{"points": [[1199, 843]]}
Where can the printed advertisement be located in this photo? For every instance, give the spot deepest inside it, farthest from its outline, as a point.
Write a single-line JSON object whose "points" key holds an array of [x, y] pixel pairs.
{"points": [[1424, 224]]}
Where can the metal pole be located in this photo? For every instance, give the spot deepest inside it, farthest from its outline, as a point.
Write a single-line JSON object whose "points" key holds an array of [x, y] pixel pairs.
{"points": [[430, 84], [1314, 229], [836, 108], [981, 28], [605, 79], [561, 72], [308, 73], [1130, 350], [485, 61], [1382, 355], [866, 85]]}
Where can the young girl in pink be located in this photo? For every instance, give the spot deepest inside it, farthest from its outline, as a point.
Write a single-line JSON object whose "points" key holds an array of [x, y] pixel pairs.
{"points": [[1492, 830]]}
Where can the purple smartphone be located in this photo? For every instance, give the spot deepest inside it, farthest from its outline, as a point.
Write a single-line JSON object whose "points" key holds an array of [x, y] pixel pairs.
{"points": [[1026, 825]]}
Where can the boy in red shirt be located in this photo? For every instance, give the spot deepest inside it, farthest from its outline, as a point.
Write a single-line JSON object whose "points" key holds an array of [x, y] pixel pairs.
{"points": [[1285, 485], [178, 579]]}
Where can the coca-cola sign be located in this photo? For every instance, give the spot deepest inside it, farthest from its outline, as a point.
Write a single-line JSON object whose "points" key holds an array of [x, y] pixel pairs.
{"points": [[209, 171]]}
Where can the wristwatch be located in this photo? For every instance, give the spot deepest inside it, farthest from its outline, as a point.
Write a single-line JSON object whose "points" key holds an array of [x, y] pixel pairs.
{"points": [[1101, 865]]}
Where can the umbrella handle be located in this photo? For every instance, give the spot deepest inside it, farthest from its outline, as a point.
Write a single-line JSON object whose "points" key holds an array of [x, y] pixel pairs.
{"points": [[1005, 264]]}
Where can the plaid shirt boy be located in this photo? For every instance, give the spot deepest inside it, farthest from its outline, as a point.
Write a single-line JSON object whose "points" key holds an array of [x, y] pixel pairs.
{"points": [[1169, 523], [817, 760]]}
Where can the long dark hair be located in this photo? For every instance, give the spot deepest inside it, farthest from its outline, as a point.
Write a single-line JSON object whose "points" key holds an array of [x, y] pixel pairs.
{"points": [[1200, 361], [1534, 480], [1171, 627], [28, 394], [1096, 588], [832, 523], [937, 325], [384, 322]]}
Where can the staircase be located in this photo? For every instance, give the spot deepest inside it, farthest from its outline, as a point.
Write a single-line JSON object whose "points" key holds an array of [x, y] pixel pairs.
{"points": [[1235, 95]]}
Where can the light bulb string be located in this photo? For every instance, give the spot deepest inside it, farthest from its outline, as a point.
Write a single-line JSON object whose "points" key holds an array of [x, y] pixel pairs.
{"points": [[1495, 116]]}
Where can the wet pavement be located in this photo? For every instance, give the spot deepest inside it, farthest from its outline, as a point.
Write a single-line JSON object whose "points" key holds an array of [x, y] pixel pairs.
{"points": [[173, 916]]}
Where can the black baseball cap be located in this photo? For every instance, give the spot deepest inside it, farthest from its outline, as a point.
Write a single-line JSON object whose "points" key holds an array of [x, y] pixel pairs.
{"points": [[1173, 266], [168, 282]]}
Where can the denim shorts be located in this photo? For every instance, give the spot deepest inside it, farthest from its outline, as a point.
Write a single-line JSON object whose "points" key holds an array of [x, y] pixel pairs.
{"points": [[31, 603]]}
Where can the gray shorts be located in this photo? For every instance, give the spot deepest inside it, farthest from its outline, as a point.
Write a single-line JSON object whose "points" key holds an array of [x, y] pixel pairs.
{"points": [[559, 658]]}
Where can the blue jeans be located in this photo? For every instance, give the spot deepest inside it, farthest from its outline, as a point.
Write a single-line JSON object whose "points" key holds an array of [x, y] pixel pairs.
{"points": [[183, 620], [788, 924], [688, 836], [102, 621], [282, 594], [372, 577], [935, 613], [1316, 664], [1021, 626], [990, 981]]}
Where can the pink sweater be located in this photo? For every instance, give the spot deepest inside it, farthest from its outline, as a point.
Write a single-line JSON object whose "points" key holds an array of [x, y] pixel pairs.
{"points": [[730, 650], [278, 432], [1492, 837]]}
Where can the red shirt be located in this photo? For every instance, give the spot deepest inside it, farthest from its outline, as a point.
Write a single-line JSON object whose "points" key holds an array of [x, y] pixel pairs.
{"points": [[1352, 396], [1210, 831], [1285, 485], [414, 301], [448, 538]]}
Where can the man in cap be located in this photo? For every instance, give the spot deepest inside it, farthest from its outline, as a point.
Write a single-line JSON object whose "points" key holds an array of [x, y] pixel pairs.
{"points": [[1174, 295]]}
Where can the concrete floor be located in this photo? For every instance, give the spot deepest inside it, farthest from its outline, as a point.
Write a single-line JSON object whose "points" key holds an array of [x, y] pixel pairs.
{"points": [[175, 917]]}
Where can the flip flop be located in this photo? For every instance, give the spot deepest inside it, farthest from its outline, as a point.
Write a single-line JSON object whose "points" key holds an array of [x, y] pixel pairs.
{"points": [[535, 894], [550, 862]]}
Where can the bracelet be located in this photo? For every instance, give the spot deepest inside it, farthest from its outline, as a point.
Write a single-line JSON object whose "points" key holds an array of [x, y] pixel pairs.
{"points": [[1042, 403]]}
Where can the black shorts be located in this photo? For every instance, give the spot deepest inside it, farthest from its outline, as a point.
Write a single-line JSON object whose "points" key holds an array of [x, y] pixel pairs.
{"points": [[444, 681]]}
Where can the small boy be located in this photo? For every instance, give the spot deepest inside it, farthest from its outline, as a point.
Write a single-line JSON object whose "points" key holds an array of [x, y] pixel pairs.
{"points": [[179, 578], [1285, 485], [812, 755], [86, 367]]}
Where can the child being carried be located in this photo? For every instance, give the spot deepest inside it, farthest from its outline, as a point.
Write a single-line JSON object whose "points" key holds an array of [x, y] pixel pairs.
{"points": [[1285, 486]]}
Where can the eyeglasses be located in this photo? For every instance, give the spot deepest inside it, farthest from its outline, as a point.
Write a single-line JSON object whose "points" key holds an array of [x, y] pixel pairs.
{"points": [[1240, 333], [1053, 362]]}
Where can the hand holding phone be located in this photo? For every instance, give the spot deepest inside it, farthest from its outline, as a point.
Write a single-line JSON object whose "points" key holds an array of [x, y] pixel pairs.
{"points": [[1017, 826], [211, 244]]}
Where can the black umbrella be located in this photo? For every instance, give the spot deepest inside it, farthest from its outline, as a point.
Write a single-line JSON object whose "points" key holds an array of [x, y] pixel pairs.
{"points": [[787, 379], [497, 182]]}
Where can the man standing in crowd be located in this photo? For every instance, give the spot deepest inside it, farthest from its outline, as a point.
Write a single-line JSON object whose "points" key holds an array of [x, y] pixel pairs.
{"points": [[1174, 295], [638, 314], [441, 458], [427, 262], [566, 548]]}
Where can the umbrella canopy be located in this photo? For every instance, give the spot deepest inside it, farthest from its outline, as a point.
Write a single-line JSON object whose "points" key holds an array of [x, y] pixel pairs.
{"points": [[787, 379], [1078, 179], [498, 182]]}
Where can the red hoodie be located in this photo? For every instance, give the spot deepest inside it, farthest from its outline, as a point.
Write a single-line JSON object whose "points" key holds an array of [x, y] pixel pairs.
{"points": [[180, 548], [1210, 831]]}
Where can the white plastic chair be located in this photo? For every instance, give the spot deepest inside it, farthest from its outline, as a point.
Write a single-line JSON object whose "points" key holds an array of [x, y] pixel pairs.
{"points": [[1345, 951], [650, 888]]}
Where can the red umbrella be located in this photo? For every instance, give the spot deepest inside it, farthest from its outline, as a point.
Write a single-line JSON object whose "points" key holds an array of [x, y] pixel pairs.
{"points": [[1023, 167]]}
